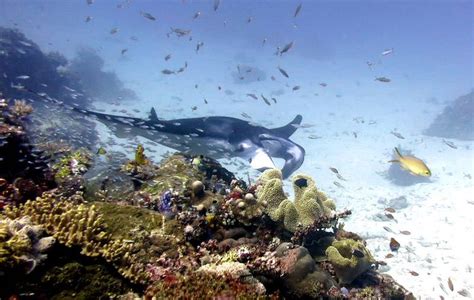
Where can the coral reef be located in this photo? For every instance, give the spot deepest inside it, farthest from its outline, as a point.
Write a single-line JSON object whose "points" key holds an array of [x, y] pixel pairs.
{"points": [[187, 232], [72, 164], [202, 285], [302, 276], [309, 204], [24, 170]]}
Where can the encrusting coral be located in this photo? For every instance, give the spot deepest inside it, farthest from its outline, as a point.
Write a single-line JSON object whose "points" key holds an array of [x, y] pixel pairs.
{"points": [[69, 223], [22, 245], [309, 205], [350, 258]]}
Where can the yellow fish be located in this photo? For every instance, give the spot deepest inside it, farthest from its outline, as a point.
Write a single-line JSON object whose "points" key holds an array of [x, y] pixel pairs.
{"points": [[412, 164], [101, 151]]}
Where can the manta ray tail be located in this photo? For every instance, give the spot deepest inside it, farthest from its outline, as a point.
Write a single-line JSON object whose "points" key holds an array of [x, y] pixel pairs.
{"points": [[290, 128]]}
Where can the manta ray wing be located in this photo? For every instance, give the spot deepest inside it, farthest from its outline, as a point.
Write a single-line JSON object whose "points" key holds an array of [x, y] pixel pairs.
{"points": [[287, 130]]}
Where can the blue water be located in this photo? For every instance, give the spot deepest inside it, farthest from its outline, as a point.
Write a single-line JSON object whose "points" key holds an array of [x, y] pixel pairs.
{"points": [[432, 58]]}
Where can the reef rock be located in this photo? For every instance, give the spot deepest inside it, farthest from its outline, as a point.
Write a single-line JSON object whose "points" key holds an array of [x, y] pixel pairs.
{"points": [[302, 276], [456, 120]]}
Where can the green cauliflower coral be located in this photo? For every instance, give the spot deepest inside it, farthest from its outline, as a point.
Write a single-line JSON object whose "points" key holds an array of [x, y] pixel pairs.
{"points": [[309, 205], [350, 258]]}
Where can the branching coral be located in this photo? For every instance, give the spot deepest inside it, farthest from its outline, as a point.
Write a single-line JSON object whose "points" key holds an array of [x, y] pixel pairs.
{"points": [[20, 109], [350, 258], [71, 224], [309, 205]]}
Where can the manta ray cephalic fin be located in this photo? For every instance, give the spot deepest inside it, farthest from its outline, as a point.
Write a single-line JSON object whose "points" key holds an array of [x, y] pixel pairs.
{"points": [[261, 160]]}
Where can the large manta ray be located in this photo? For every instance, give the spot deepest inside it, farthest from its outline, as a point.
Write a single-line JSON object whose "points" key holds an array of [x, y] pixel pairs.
{"points": [[216, 137]]}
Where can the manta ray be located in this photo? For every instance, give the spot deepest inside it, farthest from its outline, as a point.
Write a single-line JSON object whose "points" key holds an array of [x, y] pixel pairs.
{"points": [[214, 136]]}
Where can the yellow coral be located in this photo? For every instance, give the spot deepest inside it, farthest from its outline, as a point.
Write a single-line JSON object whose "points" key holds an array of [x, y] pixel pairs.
{"points": [[309, 204], [81, 225], [140, 158]]}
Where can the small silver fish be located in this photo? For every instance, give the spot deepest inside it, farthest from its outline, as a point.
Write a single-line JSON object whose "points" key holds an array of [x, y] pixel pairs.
{"points": [[387, 52], [167, 57], [298, 9], [245, 115], [323, 84], [450, 144], [398, 135], [296, 87], [23, 77], [113, 30], [167, 72], [148, 16], [283, 72], [88, 19], [339, 176], [199, 45], [286, 48], [196, 15], [252, 96], [338, 184], [216, 4], [382, 79], [123, 51], [179, 32], [265, 99]]}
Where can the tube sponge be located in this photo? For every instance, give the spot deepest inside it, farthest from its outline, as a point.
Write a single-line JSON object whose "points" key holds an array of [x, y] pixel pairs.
{"points": [[309, 204]]}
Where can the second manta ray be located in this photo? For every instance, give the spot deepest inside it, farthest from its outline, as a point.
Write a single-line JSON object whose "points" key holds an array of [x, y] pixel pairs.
{"points": [[216, 137]]}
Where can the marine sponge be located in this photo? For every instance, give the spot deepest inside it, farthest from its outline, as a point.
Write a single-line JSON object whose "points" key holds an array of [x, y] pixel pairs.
{"points": [[350, 258], [309, 205]]}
